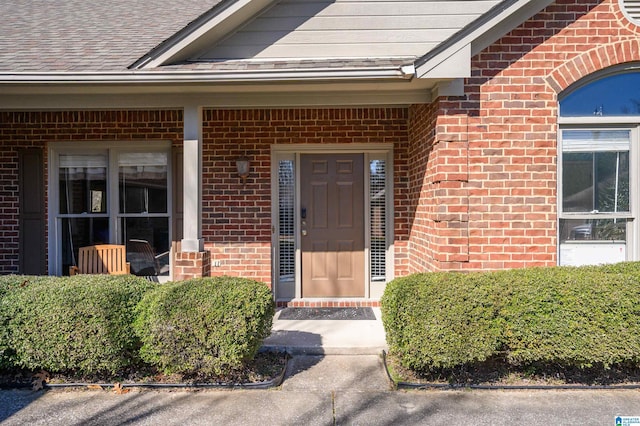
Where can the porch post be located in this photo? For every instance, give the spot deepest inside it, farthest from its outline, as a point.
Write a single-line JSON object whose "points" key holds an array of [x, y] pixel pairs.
{"points": [[192, 225]]}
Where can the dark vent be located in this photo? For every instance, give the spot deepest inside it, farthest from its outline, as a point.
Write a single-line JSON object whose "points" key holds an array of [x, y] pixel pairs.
{"points": [[632, 9]]}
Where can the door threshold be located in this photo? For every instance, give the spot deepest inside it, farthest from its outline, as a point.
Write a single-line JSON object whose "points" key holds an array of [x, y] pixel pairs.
{"points": [[328, 303]]}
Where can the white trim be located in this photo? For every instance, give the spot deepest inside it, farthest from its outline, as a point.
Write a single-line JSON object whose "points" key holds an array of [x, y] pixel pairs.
{"points": [[216, 96], [321, 148], [630, 120], [366, 199], [211, 76]]}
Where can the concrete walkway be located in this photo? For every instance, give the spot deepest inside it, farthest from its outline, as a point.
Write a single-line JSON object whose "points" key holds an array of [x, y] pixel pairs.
{"points": [[361, 337], [349, 389]]}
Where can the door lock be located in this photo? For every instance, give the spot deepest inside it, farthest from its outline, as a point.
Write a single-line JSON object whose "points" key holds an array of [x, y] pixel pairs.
{"points": [[304, 232]]}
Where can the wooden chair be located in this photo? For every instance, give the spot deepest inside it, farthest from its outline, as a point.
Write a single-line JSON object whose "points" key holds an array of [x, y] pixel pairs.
{"points": [[102, 259]]}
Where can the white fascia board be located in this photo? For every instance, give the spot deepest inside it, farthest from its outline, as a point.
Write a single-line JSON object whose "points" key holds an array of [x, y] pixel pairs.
{"points": [[453, 87], [458, 65], [140, 77], [221, 24], [481, 37], [285, 99]]}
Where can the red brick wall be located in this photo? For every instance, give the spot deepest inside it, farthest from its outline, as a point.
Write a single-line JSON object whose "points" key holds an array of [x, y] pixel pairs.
{"points": [[237, 217], [439, 187], [501, 211], [36, 129], [475, 176]]}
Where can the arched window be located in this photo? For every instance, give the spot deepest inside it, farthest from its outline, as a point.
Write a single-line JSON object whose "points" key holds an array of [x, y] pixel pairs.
{"points": [[599, 121], [613, 95]]}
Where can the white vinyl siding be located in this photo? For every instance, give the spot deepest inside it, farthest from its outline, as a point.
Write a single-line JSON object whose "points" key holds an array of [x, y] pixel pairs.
{"points": [[349, 28]]}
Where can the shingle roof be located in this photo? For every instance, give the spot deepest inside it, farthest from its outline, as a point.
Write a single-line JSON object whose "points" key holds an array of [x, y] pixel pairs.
{"points": [[87, 35]]}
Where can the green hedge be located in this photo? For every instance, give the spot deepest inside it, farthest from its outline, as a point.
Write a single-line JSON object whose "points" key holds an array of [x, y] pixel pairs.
{"points": [[440, 320], [204, 325], [573, 317], [81, 323], [10, 283], [578, 317]]}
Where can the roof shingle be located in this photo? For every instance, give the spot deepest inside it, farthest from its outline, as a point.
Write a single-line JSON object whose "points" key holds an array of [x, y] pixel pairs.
{"points": [[87, 35]]}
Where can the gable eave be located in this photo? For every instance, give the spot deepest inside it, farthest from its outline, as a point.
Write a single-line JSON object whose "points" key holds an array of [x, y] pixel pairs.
{"points": [[452, 58], [213, 25]]}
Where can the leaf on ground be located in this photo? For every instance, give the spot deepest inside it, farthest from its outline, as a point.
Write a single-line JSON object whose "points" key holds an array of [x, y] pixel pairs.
{"points": [[119, 389], [39, 379], [94, 387]]}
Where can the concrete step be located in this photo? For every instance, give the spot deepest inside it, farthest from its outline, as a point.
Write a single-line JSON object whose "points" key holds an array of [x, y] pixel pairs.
{"points": [[323, 337]]}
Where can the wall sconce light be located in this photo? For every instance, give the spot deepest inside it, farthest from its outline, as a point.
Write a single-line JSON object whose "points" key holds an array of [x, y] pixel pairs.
{"points": [[243, 166]]}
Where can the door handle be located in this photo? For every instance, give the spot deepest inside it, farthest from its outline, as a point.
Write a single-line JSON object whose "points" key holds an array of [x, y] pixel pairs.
{"points": [[303, 213], [304, 232]]}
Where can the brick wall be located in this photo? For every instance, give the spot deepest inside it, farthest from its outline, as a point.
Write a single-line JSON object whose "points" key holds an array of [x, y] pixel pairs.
{"points": [[237, 217], [36, 129], [475, 176], [501, 211]]}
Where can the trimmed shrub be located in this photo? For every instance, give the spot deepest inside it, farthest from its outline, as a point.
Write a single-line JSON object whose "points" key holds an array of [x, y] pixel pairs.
{"points": [[566, 316], [81, 324], [205, 325], [440, 320], [578, 317], [9, 283]]}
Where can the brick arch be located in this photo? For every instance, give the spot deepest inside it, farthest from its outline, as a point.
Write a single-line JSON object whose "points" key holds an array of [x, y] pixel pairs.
{"points": [[593, 60]]}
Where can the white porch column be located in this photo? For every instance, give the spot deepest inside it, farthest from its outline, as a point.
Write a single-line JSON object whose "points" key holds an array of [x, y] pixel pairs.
{"points": [[192, 226]]}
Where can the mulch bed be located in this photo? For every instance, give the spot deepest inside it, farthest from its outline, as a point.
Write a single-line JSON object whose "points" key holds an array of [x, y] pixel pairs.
{"points": [[498, 373], [266, 367]]}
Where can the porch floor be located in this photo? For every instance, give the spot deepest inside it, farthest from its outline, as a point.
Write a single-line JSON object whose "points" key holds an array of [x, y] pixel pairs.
{"points": [[327, 337]]}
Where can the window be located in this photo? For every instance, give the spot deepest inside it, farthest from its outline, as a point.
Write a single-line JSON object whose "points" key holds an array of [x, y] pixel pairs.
{"points": [[115, 195], [611, 96], [597, 147], [595, 196], [286, 218], [377, 219]]}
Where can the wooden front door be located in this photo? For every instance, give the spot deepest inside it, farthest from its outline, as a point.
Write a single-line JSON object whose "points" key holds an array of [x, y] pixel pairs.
{"points": [[332, 225]]}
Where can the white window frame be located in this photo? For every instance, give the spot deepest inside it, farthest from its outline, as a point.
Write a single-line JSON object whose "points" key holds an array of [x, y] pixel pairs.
{"points": [[626, 123], [382, 151], [112, 149]]}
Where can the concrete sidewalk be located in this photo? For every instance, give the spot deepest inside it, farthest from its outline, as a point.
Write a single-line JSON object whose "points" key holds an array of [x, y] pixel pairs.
{"points": [[329, 390]]}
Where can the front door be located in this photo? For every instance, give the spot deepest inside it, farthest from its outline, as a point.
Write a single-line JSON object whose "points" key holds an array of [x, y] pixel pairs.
{"points": [[332, 225]]}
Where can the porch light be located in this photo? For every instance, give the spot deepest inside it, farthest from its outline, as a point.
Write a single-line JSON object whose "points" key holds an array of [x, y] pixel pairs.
{"points": [[243, 166]]}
